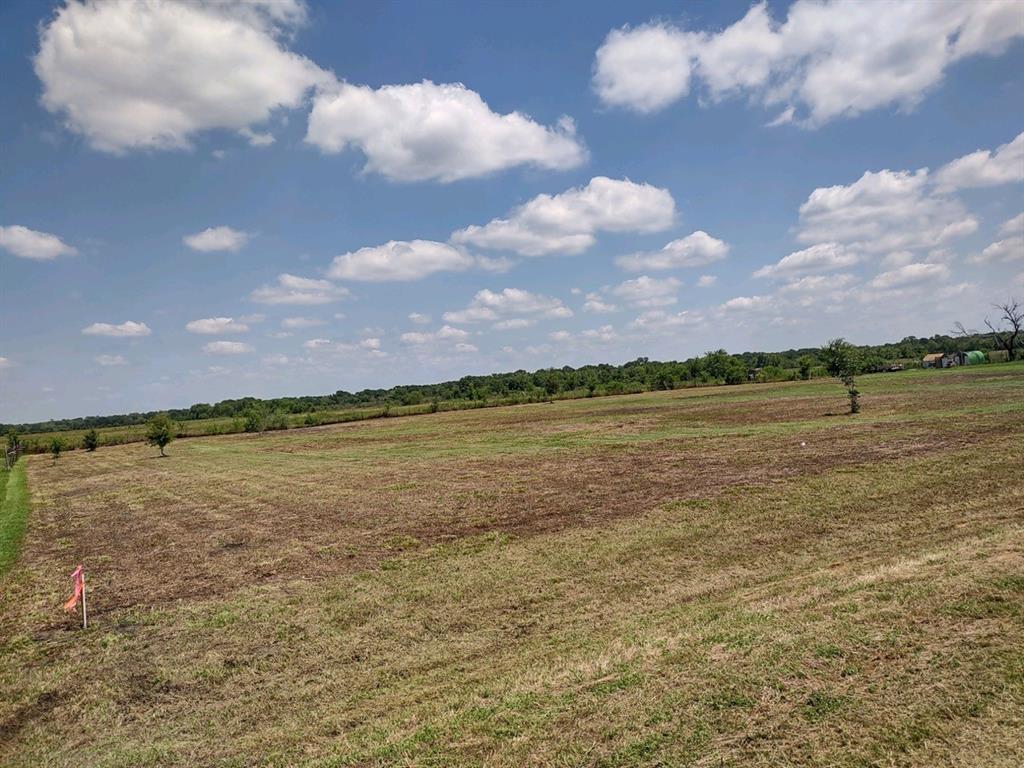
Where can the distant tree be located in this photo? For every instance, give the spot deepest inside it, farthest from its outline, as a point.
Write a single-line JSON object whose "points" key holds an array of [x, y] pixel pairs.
{"points": [[91, 440], [842, 360], [254, 419], [56, 446], [160, 431], [13, 439], [1008, 329], [806, 363]]}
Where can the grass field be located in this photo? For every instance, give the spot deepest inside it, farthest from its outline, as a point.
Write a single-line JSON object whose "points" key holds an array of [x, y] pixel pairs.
{"points": [[737, 576]]}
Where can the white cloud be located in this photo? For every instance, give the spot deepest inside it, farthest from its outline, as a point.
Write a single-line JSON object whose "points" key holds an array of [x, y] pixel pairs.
{"points": [[127, 329], [1014, 226], [826, 59], [910, 275], [296, 323], [823, 256], [568, 222], [426, 131], [419, 318], [706, 281], [27, 243], [5, 363], [276, 359], [216, 239], [216, 325], [560, 336], [514, 324], [597, 305], [491, 306], [369, 346], [399, 260], [884, 211], [984, 168], [150, 75], [466, 348], [694, 250], [660, 320], [227, 348], [445, 333], [110, 360], [818, 284], [291, 289], [1009, 249], [647, 291], [644, 68], [748, 303], [316, 343]]}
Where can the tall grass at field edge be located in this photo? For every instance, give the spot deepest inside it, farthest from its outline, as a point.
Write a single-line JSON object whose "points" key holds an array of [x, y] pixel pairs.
{"points": [[13, 514]]}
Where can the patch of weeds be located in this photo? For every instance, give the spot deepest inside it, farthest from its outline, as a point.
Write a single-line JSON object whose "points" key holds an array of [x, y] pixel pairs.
{"points": [[984, 607], [820, 704], [402, 542], [729, 698], [827, 651], [607, 687], [1012, 583]]}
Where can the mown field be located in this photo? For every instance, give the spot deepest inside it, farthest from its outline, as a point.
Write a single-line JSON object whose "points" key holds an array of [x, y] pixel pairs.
{"points": [[738, 576]]}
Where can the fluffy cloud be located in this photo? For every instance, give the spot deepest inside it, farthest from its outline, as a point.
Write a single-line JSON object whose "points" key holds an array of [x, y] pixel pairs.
{"points": [[984, 168], [291, 289], [827, 59], [419, 318], [567, 222], [817, 258], [489, 305], [27, 243], [227, 348], [910, 275], [444, 333], [296, 323], [399, 260], [216, 239], [596, 304], [694, 250], [706, 281], [426, 131], [110, 360], [1014, 226], [1009, 249], [127, 329], [216, 325], [884, 211], [370, 346], [647, 291], [645, 68], [659, 320], [118, 73]]}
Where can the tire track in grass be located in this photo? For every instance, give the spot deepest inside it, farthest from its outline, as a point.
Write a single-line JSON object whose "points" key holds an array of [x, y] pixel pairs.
{"points": [[13, 515]]}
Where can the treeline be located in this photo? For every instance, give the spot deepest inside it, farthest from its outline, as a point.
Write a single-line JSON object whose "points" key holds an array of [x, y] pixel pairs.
{"points": [[639, 375]]}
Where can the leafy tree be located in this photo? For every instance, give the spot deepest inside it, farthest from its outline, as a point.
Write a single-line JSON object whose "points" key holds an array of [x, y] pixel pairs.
{"points": [[91, 440], [254, 419], [160, 431], [842, 360], [805, 363], [57, 445], [13, 439]]}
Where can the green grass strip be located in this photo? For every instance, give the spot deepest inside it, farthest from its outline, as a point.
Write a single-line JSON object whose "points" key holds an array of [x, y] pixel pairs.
{"points": [[13, 515]]}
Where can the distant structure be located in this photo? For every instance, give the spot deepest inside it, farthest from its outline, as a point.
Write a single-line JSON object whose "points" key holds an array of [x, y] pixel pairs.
{"points": [[974, 357], [950, 359]]}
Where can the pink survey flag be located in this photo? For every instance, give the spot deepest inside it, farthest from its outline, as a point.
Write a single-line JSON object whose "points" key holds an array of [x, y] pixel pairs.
{"points": [[78, 579]]}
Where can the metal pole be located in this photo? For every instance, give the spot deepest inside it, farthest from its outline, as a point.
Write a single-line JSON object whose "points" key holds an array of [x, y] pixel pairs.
{"points": [[85, 617]]}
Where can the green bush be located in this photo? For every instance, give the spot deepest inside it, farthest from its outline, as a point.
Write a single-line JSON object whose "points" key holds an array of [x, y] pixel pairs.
{"points": [[91, 440]]}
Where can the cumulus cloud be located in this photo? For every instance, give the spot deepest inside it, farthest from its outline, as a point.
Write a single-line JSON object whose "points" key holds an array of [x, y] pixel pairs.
{"points": [[369, 346], [227, 348], [425, 130], [127, 329], [150, 75], [216, 239], [884, 211], [110, 360], [659, 320], [291, 289], [826, 59], [694, 250], [27, 243], [514, 324], [817, 258], [984, 168], [419, 318], [1008, 249], [596, 304], [568, 222], [490, 305], [647, 291], [216, 325], [444, 333], [296, 323], [1014, 226], [706, 281], [399, 261], [910, 275]]}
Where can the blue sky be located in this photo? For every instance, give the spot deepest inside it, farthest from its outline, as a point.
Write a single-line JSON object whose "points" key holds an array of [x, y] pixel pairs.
{"points": [[604, 184]]}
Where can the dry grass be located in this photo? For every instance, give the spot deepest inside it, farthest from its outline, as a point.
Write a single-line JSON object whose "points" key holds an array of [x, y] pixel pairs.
{"points": [[713, 578]]}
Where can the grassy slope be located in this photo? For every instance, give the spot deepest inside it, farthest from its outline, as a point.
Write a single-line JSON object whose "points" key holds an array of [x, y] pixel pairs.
{"points": [[865, 612]]}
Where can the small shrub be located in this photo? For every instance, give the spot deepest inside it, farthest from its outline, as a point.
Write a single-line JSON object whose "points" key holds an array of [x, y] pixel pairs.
{"points": [[91, 440], [276, 420], [57, 445], [160, 431], [254, 420]]}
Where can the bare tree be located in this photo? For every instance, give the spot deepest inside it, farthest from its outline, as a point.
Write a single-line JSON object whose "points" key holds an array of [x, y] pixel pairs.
{"points": [[1008, 327]]}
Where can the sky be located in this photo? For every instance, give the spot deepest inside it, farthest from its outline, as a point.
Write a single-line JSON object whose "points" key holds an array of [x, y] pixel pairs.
{"points": [[210, 200]]}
